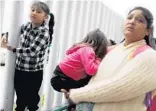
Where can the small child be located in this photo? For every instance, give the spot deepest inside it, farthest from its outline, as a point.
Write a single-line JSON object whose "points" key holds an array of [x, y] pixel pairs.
{"points": [[81, 63]]}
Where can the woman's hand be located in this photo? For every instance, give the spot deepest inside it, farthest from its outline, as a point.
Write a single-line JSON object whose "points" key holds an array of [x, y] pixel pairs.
{"points": [[66, 93]]}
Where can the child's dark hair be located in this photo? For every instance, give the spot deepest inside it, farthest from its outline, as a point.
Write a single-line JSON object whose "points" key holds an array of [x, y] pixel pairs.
{"points": [[149, 18], [46, 9], [98, 41]]}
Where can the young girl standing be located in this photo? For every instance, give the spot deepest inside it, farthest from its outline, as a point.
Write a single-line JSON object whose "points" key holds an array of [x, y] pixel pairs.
{"points": [[35, 37]]}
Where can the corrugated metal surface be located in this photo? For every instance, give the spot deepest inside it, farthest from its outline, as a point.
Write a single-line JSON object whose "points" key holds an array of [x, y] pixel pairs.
{"points": [[73, 20], [12, 20]]}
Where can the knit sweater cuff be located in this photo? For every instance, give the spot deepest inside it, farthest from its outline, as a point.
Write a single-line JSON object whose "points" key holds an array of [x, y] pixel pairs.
{"points": [[73, 97]]}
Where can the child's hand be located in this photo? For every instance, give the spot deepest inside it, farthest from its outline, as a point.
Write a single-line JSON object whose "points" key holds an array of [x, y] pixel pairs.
{"points": [[66, 93]]}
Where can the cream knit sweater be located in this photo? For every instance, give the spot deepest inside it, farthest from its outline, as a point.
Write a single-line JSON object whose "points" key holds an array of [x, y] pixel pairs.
{"points": [[120, 83]]}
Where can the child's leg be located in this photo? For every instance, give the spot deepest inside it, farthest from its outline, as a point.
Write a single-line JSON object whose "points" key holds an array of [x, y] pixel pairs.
{"points": [[84, 81], [34, 84], [59, 83], [57, 80], [20, 89]]}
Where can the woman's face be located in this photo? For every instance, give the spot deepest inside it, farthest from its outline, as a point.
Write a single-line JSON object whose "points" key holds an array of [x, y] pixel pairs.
{"points": [[135, 26]]}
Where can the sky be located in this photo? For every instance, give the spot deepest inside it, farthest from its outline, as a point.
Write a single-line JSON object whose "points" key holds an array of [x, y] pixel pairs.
{"points": [[123, 6]]}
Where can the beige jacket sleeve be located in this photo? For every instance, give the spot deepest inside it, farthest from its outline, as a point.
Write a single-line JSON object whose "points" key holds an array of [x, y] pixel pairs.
{"points": [[134, 79]]}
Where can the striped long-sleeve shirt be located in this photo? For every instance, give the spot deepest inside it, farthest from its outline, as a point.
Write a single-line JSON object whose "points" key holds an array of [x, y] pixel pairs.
{"points": [[32, 48]]}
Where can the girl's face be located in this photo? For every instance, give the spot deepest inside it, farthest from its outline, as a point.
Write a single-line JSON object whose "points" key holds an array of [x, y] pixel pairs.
{"points": [[37, 15], [135, 26]]}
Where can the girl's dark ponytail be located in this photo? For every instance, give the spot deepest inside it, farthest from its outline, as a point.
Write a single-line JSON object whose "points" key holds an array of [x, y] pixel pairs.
{"points": [[51, 25]]}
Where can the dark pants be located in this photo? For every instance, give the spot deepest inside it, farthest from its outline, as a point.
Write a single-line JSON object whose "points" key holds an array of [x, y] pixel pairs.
{"points": [[61, 81], [27, 85]]}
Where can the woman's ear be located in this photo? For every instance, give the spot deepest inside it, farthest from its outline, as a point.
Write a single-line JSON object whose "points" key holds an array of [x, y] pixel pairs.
{"points": [[149, 32]]}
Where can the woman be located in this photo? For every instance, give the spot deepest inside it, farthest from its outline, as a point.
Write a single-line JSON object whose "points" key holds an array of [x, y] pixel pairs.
{"points": [[127, 73]]}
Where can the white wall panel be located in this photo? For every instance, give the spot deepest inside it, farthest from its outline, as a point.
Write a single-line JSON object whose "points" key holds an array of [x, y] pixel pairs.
{"points": [[11, 23], [2, 6]]}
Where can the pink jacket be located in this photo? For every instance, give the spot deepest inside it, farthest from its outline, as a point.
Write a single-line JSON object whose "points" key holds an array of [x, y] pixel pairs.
{"points": [[80, 60]]}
